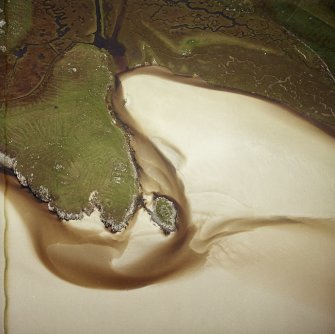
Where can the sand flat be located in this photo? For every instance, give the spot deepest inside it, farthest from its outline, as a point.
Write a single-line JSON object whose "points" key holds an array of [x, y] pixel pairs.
{"points": [[261, 274], [242, 155], [277, 280]]}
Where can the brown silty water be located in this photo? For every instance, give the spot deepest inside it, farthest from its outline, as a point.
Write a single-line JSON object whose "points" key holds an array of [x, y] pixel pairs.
{"points": [[180, 253]]}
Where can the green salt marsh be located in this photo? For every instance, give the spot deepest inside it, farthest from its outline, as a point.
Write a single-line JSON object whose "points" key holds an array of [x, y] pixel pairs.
{"points": [[69, 149]]}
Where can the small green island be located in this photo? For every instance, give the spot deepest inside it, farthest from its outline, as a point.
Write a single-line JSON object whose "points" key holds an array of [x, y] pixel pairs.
{"points": [[164, 214]]}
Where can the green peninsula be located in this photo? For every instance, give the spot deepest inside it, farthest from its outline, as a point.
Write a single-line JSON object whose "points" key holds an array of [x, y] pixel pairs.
{"points": [[68, 148]]}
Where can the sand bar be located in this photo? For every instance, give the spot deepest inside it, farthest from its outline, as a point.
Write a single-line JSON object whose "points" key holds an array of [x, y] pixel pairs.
{"points": [[261, 274]]}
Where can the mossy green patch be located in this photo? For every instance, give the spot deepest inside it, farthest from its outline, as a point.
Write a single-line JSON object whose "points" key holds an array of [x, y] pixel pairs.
{"points": [[312, 21], [17, 15]]}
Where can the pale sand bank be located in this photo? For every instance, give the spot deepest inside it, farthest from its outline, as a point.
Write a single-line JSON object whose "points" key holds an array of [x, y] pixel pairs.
{"points": [[272, 279], [236, 155], [267, 280]]}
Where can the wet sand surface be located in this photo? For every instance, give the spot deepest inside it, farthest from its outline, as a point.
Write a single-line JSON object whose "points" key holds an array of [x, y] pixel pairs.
{"points": [[255, 253]]}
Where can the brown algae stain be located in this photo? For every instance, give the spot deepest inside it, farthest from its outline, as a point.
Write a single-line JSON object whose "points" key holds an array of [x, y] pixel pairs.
{"points": [[46, 230], [86, 259], [91, 263]]}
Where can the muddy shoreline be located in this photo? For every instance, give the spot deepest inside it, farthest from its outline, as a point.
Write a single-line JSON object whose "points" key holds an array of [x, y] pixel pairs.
{"points": [[173, 255]]}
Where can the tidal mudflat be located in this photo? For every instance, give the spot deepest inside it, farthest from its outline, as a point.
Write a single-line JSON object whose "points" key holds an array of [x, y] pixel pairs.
{"points": [[175, 207], [258, 234]]}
